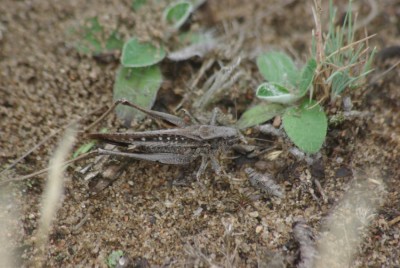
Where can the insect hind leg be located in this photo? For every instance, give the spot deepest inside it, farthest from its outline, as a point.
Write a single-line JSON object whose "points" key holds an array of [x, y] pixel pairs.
{"points": [[202, 168], [164, 158]]}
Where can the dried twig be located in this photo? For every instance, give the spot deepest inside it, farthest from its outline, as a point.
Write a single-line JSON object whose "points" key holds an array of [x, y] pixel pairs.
{"points": [[265, 183]]}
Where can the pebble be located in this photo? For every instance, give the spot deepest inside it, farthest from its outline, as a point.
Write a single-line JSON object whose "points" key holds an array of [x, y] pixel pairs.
{"points": [[253, 214]]}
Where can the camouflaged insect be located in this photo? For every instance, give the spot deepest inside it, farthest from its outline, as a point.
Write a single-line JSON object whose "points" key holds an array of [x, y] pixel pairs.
{"points": [[176, 146]]}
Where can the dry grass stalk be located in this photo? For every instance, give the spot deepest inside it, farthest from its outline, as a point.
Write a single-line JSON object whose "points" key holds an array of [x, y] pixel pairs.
{"points": [[346, 225], [53, 192]]}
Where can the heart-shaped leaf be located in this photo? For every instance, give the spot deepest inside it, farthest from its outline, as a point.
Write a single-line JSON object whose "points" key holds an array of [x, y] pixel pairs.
{"points": [[275, 92], [138, 85], [259, 114], [136, 54], [306, 126]]}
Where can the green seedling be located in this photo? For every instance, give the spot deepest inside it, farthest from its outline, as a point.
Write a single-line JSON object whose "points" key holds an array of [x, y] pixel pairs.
{"points": [[137, 4], [139, 78], [93, 39], [113, 258], [337, 63], [286, 84]]}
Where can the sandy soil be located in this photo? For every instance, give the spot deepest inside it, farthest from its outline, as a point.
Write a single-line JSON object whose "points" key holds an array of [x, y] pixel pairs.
{"points": [[157, 214]]}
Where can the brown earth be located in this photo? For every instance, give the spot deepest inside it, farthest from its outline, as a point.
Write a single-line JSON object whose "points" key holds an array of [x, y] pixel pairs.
{"points": [[157, 214]]}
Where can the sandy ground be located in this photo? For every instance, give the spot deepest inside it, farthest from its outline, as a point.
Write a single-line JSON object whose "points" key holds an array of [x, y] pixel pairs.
{"points": [[159, 215]]}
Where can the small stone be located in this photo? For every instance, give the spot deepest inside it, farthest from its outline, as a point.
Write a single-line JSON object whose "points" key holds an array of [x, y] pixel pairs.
{"points": [[261, 165], [253, 214], [197, 212], [277, 121], [169, 204], [259, 228]]}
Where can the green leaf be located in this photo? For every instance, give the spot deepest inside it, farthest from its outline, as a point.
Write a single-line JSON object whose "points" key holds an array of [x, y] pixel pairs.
{"points": [[84, 149], [368, 64], [278, 67], [275, 92], [92, 38], [135, 54], [91, 35], [93, 25], [113, 258], [138, 85], [259, 114], [306, 127], [137, 4], [92, 43], [177, 13], [307, 76], [87, 146], [114, 42]]}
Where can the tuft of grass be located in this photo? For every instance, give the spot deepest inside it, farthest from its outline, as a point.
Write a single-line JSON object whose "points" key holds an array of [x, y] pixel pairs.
{"points": [[343, 62]]}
